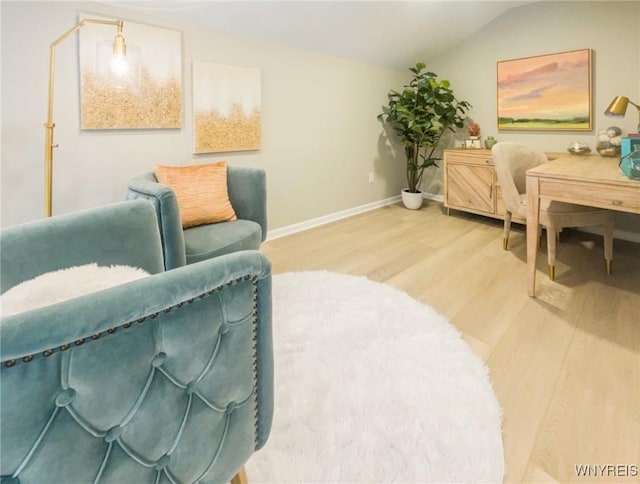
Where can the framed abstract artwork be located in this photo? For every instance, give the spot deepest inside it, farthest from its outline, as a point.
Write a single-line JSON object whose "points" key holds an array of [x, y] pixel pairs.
{"points": [[226, 108], [545, 92], [145, 92]]}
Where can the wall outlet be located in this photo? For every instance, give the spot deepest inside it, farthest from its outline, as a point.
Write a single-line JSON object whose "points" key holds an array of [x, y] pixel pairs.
{"points": [[372, 177]]}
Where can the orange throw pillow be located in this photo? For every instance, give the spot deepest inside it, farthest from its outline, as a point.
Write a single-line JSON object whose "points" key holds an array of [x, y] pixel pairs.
{"points": [[201, 190]]}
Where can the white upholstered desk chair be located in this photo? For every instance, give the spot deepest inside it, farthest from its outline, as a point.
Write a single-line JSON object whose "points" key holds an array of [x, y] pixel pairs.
{"points": [[511, 161]]}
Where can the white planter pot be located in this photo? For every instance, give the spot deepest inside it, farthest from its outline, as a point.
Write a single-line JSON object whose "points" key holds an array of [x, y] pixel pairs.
{"points": [[410, 200]]}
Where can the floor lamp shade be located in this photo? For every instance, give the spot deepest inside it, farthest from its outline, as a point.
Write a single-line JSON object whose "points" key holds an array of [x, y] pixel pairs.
{"points": [[117, 71]]}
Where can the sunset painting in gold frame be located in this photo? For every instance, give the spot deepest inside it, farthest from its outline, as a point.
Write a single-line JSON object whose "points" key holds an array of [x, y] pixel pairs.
{"points": [[545, 92]]}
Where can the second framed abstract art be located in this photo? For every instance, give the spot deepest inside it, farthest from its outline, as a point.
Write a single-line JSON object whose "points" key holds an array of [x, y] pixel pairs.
{"points": [[226, 108]]}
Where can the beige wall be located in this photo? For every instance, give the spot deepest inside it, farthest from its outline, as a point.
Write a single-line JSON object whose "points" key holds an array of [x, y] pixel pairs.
{"points": [[611, 29], [319, 129]]}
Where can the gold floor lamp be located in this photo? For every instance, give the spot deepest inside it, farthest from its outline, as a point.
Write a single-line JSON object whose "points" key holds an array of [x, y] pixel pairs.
{"points": [[119, 50], [618, 108]]}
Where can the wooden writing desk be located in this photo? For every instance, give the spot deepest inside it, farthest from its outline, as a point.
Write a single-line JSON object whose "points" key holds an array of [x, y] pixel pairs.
{"points": [[595, 181]]}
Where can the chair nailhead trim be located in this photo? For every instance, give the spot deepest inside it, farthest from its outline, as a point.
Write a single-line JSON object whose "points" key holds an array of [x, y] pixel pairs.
{"points": [[254, 369], [80, 341]]}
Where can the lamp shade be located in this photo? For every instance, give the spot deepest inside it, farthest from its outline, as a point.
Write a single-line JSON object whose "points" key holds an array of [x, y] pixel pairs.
{"points": [[617, 107], [117, 71]]}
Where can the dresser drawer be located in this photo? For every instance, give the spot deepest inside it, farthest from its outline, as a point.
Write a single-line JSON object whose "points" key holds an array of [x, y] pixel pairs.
{"points": [[474, 157], [625, 199]]}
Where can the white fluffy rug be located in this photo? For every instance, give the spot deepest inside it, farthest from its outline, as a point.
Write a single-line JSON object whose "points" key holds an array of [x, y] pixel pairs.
{"points": [[373, 386]]}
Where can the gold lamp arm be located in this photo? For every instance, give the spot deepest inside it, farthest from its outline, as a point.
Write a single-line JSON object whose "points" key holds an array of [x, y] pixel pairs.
{"points": [[49, 125]]}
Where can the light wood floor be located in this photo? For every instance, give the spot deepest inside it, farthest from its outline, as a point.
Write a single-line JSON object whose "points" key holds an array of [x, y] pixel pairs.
{"points": [[565, 365]]}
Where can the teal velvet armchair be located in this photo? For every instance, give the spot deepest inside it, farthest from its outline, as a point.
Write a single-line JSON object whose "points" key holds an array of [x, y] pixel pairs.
{"points": [[168, 378], [247, 193]]}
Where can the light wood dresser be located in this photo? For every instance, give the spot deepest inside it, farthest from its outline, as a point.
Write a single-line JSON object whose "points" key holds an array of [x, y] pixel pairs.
{"points": [[470, 183]]}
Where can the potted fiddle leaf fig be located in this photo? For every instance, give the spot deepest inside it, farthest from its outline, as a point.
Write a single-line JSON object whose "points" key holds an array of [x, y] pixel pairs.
{"points": [[419, 115]]}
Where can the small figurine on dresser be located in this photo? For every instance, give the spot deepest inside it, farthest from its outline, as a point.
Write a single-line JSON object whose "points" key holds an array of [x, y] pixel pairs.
{"points": [[474, 136]]}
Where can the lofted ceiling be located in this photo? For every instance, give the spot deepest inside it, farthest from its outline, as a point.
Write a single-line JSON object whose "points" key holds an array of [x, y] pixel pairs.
{"points": [[394, 34]]}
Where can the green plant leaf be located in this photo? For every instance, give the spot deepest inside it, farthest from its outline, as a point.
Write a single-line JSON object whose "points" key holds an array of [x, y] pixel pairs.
{"points": [[419, 114]]}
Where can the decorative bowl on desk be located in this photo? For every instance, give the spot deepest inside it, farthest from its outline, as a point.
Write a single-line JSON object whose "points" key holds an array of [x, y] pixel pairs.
{"points": [[609, 141], [579, 149], [604, 148]]}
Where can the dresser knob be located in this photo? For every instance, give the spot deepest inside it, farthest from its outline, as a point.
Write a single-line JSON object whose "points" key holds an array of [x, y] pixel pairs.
{"points": [[617, 203]]}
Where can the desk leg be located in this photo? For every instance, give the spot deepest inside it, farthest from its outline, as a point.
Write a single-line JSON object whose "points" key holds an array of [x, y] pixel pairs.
{"points": [[533, 217]]}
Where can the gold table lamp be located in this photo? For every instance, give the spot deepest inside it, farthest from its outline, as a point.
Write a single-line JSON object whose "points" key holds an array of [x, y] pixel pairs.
{"points": [[119, 50], [618, 108]]}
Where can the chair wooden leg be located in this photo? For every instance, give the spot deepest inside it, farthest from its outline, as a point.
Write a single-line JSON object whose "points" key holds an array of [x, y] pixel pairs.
{"points": [[507, 229], [240, 477], [608, 245], [551, 251], [539, 236]]}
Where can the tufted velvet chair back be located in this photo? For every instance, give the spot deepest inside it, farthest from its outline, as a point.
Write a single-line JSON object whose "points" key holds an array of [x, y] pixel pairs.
{"points": [[165, 379], [121, 233]]}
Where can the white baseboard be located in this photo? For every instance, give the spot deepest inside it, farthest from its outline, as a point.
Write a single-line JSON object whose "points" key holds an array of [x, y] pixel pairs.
{"points": [[617, 234], [431, 196], [332, 217]]}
